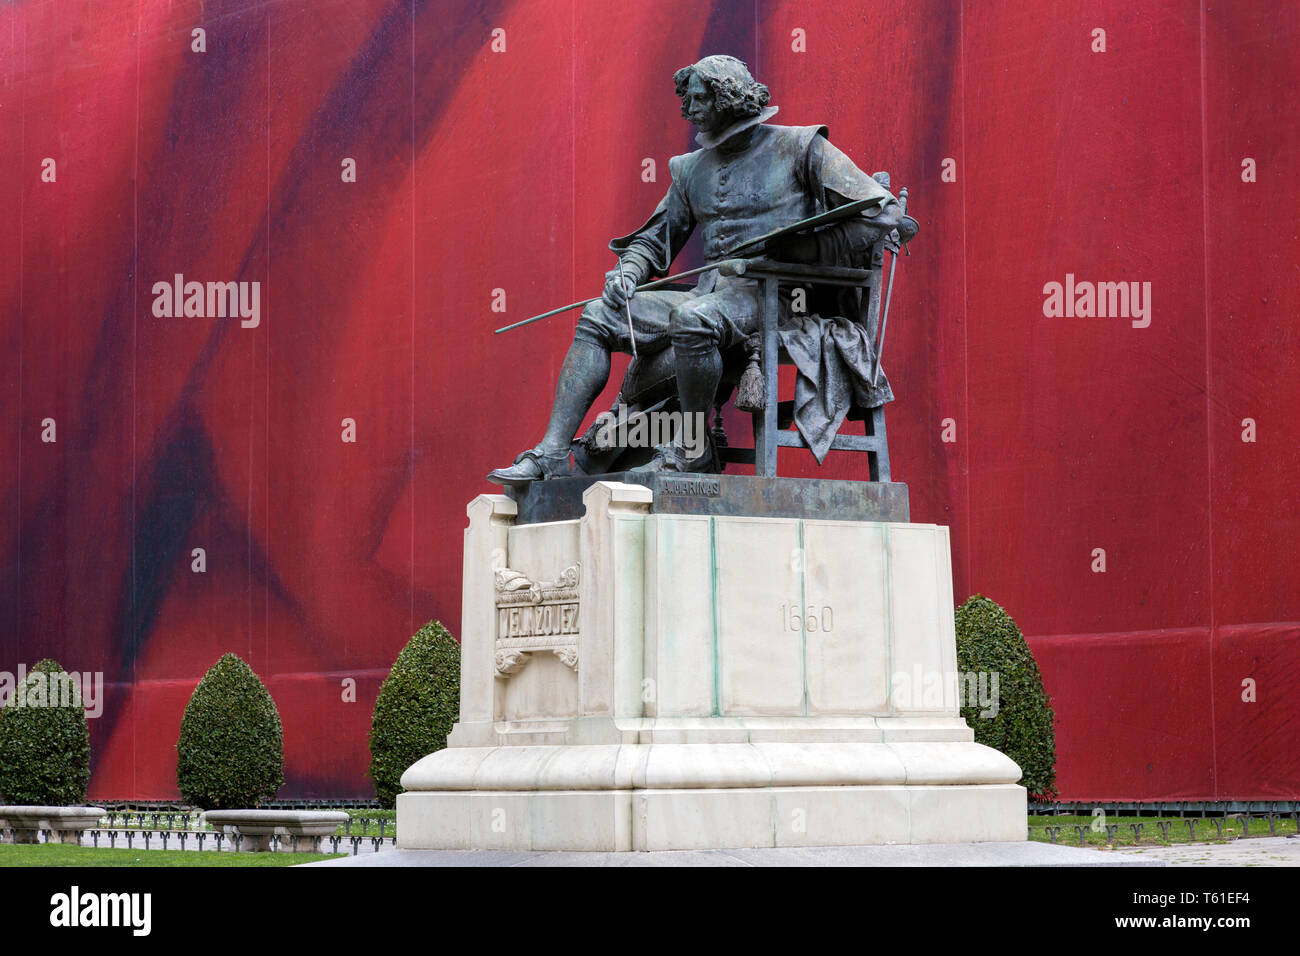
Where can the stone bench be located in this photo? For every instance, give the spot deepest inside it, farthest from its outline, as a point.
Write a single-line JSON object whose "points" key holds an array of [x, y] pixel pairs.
{"points": [[257, 827], [64, 824]]}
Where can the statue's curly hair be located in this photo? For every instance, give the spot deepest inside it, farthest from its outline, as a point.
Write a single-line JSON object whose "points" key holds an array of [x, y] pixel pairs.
{"points": [[728, 79]]}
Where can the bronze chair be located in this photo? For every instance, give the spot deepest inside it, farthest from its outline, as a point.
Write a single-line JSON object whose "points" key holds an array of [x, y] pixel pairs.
{"points": [[772, 423], [649, 386]]}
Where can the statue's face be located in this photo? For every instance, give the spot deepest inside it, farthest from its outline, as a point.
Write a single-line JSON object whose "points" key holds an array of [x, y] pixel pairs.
{"points": [[701, 109]]}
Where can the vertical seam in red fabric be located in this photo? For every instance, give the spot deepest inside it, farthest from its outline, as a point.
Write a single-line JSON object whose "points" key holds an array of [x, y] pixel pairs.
{"points": [[410, 620], [573, 156], [964, 454], [135, 358], [266, 409], [22, 263], [1209, 425], [252, 372]]}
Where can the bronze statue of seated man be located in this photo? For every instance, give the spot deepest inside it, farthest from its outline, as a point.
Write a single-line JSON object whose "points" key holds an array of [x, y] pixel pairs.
{"points": [[749, 178]]}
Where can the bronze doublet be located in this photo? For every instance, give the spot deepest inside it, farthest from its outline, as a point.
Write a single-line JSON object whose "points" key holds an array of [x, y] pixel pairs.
{"points": [[741, 193]]}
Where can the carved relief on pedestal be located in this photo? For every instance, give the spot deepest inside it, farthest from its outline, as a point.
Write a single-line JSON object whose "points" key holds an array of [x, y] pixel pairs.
{"points": [[535, 616]]}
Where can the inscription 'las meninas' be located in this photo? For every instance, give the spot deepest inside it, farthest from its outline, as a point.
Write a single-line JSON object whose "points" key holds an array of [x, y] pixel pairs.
{"points": [[535, 616], [691, 487]]}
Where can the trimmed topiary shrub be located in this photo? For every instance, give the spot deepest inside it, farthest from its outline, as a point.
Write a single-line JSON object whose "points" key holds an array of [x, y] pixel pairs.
{"points": [[230, 755], [417, 705], [989, 642], [45, 741]]}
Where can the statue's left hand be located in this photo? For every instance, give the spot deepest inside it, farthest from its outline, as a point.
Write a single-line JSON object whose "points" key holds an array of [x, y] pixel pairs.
{"points": [[619, 289]]}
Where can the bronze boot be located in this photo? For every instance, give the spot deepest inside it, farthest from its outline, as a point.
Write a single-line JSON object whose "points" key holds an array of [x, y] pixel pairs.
{"points": [[531, 465]]}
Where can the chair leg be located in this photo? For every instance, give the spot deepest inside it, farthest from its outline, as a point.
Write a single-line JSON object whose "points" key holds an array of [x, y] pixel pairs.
{"points": [[878, 462], [765, 447]]}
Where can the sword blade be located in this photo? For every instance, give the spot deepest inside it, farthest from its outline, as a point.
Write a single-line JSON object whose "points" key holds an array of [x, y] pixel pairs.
{"points": [[657, 283], [884, 318], [812, 222], [631, 332]]}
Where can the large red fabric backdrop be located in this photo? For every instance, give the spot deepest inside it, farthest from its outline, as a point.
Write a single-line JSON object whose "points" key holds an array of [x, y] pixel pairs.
{"points": [[480, 170]]}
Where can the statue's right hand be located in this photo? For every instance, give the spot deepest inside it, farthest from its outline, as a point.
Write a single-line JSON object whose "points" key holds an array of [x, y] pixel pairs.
{"points": [[617, 292]]}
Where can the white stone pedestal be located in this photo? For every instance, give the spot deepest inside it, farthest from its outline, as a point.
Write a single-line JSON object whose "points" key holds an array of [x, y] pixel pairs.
{"points": [[637, 681]]}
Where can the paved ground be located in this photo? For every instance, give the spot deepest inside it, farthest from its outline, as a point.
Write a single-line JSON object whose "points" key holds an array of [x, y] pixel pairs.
{"points": [[1257, 851], [939, 854]]}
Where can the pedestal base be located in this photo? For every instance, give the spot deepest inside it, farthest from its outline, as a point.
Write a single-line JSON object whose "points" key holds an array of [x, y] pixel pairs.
{"points": [[689, 796], [710, 819], [635, 679], [560, 499]]}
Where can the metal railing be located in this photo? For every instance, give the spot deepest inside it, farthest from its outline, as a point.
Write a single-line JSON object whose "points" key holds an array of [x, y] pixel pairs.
{"points": [[1165, 808], [134, 838], [168, 826], [1189, 813]]}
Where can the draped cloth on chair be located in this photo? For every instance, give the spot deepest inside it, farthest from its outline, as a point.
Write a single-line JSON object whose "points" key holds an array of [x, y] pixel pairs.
{"points": [[834, 357]]}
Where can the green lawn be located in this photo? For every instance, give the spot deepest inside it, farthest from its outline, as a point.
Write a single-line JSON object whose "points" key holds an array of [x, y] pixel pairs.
{"points": [[1151, 835], [368, 820], [56, 854]]}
